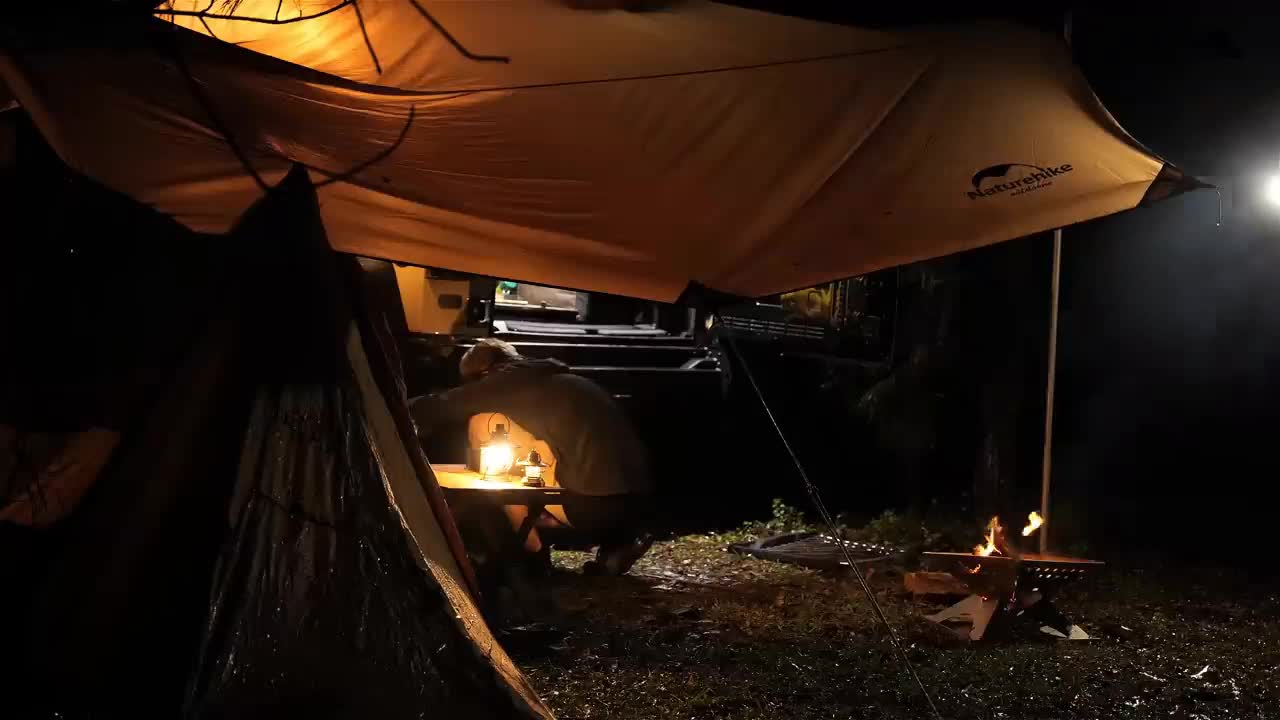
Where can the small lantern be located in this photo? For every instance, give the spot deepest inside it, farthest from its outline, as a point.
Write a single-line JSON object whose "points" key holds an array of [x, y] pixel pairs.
{"points": [[533, 468], [497, 454]]}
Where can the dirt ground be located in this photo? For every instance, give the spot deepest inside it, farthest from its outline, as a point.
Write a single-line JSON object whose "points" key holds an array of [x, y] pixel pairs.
{"points": [[696, 632]]}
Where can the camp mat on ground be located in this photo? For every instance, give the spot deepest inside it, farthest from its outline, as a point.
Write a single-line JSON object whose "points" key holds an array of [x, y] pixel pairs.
{"points": [[813, 550]]}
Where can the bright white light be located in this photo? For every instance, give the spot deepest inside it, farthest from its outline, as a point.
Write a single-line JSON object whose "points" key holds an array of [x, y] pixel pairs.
{"points": [[496, 458], [1271, 191]]}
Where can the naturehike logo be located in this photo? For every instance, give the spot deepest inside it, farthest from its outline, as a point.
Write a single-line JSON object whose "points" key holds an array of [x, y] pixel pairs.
{"points": [[1014, 178]]}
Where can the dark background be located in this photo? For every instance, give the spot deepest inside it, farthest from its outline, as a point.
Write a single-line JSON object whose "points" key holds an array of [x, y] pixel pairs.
{"points": [[1169, 347]]}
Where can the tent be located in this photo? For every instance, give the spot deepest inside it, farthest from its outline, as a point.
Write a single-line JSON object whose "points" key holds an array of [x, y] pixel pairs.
{"points": [[658, 154], [636, 153], [260, 543]]}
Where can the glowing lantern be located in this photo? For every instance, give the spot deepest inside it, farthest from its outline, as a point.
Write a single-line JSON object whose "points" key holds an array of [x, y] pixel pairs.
{"points": [[533, 469], [497, 454]]}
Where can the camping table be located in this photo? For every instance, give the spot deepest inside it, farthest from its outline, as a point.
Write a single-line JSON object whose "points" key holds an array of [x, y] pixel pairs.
{"points": [[466, 485]]}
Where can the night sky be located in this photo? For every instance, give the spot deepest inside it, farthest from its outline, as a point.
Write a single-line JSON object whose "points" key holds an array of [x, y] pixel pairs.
{"points": [[1170, 340]]}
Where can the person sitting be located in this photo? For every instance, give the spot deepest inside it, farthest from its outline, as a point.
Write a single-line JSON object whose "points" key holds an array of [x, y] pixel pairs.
{"points": [[597, 455]]}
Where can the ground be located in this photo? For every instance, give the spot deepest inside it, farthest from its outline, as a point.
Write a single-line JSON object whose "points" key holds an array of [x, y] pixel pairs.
{"points": [[696, 632]]}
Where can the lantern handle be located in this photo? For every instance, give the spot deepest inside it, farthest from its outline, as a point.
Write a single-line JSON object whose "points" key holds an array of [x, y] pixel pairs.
{"points": [[488, 426]]}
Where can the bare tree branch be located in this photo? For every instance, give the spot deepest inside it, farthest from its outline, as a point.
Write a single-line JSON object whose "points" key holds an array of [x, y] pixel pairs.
{"points": [[454, 41], [426, 14], [220, 126], [214, 117], [206, 28], [367, 42], [264, 21], [216, 120], [348, 174]]}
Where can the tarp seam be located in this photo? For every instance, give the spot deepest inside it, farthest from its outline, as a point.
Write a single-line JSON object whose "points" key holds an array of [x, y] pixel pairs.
{"points": [[403, 92]]}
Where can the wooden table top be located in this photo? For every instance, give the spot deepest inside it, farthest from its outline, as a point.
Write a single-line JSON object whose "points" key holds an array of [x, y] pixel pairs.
{"points": [[458, 477]]}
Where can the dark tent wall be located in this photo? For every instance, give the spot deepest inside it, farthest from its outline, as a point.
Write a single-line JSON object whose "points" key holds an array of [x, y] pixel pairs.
{"points": [[337, 591], [8, 140], [107, 323], [259, 542], [101, 295]]}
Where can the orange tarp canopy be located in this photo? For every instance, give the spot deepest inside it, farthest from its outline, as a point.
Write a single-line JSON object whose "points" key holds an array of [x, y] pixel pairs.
{"points": [[636, 153]]}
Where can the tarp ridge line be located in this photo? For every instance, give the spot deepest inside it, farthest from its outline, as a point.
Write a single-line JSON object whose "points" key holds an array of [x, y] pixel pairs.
{"points": [[320, 76]]}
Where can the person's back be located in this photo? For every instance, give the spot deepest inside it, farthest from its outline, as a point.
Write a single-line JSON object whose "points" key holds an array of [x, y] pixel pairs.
{"points": [[599, 458], [597, 450]]}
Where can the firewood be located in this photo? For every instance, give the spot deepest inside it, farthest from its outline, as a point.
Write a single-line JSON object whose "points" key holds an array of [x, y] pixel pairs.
{"points": [[933, 583]]}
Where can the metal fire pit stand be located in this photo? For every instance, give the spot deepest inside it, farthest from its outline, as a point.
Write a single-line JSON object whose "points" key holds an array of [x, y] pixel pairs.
{"points": [[1002, 586]]}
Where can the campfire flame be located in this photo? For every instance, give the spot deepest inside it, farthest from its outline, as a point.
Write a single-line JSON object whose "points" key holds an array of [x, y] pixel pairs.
{"points": [[996, 542], [993, 529], [974, 570], [1034, 521]]}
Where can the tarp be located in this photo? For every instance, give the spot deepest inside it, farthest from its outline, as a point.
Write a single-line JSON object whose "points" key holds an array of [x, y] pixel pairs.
{"points": [[637, 153]]}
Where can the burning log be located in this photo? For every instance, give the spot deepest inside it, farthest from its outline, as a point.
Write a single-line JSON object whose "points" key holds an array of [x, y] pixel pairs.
{"points": [[995, 534], [934, 583]]}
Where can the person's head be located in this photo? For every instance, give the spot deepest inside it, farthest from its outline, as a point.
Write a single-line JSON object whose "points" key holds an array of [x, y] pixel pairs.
{"points": [[485, 355]]}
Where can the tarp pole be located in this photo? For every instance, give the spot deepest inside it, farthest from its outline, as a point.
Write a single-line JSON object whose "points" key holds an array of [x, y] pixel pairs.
{"points": [[1047, 454], [1046, 468]]}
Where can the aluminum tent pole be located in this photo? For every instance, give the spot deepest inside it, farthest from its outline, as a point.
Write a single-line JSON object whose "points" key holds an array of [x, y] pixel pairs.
{"points": [[1046, 467]]}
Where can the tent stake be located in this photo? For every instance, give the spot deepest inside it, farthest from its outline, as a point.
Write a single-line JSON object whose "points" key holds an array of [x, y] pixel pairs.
{"points": [[1046, 468]]}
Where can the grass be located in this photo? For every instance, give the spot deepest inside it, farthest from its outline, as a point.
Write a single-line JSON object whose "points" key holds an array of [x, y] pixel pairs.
{"points": [[696, 632]]}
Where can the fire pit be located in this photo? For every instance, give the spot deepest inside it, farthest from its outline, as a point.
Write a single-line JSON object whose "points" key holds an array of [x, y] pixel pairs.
{"points": [[1005, 583]]}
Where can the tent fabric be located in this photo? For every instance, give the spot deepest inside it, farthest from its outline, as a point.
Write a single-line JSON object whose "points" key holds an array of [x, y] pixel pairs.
{"points": [[636, 153], [337, 590], [109, 604], [262, 542], [319, 604]]}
